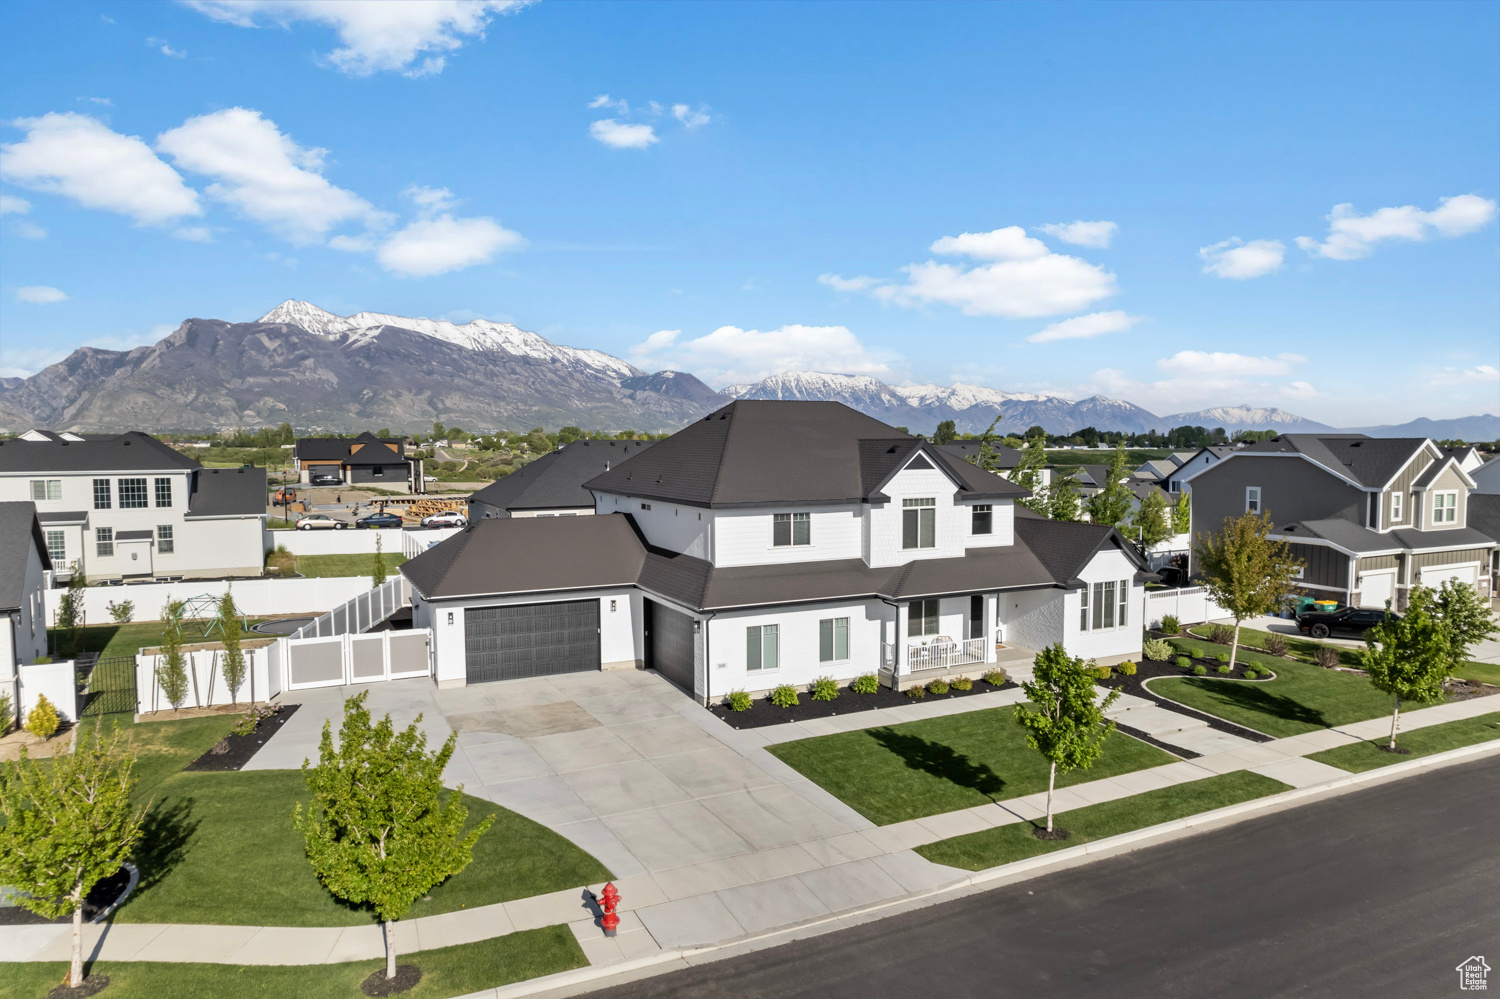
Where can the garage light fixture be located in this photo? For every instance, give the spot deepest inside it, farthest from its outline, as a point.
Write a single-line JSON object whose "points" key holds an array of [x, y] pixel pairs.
{"points": [[450, 617]]}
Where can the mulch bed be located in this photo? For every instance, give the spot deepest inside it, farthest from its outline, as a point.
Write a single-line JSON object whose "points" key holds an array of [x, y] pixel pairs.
{"points": [[763, 712], [106, 892], [238, 749], [1463, 690], [92, 985], [1149, 669], [407, 977]]}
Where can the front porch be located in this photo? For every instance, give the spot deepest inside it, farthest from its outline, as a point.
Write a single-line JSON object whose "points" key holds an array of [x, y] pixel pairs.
{"points": [[942, 660]]}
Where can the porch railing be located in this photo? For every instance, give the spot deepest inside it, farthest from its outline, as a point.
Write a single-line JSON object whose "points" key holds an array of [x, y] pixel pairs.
{"points": [[944, 655]]}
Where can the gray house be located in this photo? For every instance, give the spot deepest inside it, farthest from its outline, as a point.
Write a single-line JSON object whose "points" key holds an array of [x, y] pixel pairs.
{"points": [[23, 612], [1371, 517], [366, 459], [552, 485]]}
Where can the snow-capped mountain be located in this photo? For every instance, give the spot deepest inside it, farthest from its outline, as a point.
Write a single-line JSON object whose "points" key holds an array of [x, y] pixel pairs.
{"points": [[961, 396], [1245, 417], [865, 393]]}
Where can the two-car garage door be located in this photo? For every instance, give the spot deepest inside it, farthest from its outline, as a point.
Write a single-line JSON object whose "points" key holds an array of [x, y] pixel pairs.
{"points": [[507, 643]]}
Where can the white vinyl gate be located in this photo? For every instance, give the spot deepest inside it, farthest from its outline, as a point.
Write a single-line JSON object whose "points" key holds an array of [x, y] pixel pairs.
{"points": [[339, 660]]}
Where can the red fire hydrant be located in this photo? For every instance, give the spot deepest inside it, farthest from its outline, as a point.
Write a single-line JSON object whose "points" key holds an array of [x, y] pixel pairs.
{"points": [[610, 899]]}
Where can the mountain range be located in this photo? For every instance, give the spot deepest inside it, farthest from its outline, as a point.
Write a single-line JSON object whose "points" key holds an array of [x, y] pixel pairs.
{"points": [[320, 371]]}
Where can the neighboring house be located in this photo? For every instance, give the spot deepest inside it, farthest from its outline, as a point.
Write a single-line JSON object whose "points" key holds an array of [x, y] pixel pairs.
{"points": [[552, 485], [126, 506], [364, 460], [1468, 456], [23, 612], [1484, 517], [1487, 477], [1371, 517], [1159, 470], [1196, 463], [774, 542], [1006, 459]]}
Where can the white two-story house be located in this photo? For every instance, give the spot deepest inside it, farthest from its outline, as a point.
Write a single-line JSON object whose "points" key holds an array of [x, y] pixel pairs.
{"points": [[775, 542], [126, 506]]}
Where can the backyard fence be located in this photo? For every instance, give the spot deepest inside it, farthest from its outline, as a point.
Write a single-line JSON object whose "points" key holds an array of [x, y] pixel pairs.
{"points": [[343, 659], [1189, 605], [206, 685], [253, 597], [360, 612]]}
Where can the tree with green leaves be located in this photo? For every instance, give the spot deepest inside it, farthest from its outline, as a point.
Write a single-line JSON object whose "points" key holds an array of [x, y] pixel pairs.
{"points": [[70, 614], [1030, 472], [67, 824], [1408, 657], [1064, 719], [1111, 504], [1151, 520], [1245, 572], [377, 572], [233, 662], [1062, 495], [1464, 615], [378, 830], [988, 458], [171, 661], [1182, 513], [946, 433]]}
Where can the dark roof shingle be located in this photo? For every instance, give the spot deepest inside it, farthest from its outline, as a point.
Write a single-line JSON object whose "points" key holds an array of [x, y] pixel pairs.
{"points": [[555, 480], [19, 528], [128, 452], [228, 492]]}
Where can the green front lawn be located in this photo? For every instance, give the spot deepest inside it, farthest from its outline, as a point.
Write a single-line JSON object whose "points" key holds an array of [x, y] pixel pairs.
{"points": [[943, 764], [1006, 844], [346, 565], [220, 848], [1360, 756], [1302, 648], [1483, 672], [162, 748], [447, 971], [1302, 698]]}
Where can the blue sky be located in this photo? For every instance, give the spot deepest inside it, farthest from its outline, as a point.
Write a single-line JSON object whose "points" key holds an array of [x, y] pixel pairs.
{"points": [[736, 189]]}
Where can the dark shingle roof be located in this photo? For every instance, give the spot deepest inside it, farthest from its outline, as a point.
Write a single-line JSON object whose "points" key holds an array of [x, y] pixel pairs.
{"points": [[18, 529], [1360, 540], [1370, 461], [374, 451], [228, 492], [1484, 514], [1065, 547], [1005, 457], [556, 479], [128, 452]]}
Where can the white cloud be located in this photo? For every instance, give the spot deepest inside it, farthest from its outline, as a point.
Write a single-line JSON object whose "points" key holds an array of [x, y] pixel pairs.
{"points": [[161, 45], [438, 245], [1009, 243], [731, 354], [1299, 390], [430, 200], [40, 294], [30, 230], [861, 283], [12, 205], [605, 101], [1480, 374], [376, 35], [1194, 379], [1092, 234], [1240, 261], [1085, 327], [691, 119], [623, 135], [1208, 364], [264, 175], [105, 101], [81, 159], [194, 233], [1352, 236]]}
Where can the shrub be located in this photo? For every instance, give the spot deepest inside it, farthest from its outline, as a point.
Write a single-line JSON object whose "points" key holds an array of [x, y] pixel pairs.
{"points": [[865, 683], [995, 677], [938, 686], [1225, 670], [281, 560], [1169, 625], [41, 661], [1250, 674], [1222, 657], [1326, 656], [917, 692], [5, 716], [1126, 668], [1276, 646], [1221, 634], [1157, 650], [1103, 672], [1200, 670], [250, 719], [122, 612], [42, 722], [1183, 662], [785, 696], [961, 683], [738, 700], [824, 689]]}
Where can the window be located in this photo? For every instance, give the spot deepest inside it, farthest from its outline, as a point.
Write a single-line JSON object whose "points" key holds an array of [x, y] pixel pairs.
{"points": [[645, 506], [163, 492], [46, 489], [1445, 508], [379, 470], [982, 520], [919, 523], [101, 494], [1174, 486], [132, 494], [761, 647], [57, 548], [104, 542], [1124, 592], [1104, 605], [164, 542], [922, 618], [789, 529], [1252, 499], [1396, 508], [833, 639], [1083, 610]]}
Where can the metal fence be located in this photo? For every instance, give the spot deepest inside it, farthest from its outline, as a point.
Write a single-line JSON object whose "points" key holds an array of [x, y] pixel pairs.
{"points": [[360, 614], [106, 685]]}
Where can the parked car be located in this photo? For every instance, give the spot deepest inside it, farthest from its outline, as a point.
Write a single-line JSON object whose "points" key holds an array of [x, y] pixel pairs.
{"points": [[320, 522], [379, 520], [325, 479], [448, 518], [1348, 620]]}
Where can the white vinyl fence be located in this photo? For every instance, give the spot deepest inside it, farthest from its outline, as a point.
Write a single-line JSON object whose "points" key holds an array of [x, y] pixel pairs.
{"points": [[1189, 605], [360, 612], [57, 681], [206, 686], [339, 660], [349, 541], [416, 542], [254, 597]]}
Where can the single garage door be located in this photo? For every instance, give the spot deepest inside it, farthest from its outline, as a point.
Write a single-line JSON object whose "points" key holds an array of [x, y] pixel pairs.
{"points": [[1434, 575], [1375, 588], [669, 644], [507, 643]]}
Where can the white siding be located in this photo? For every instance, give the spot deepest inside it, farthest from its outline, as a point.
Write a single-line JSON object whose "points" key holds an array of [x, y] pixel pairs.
{"points": [[1120, 641], [798, 641], [667, 525], [1033, 618], [1002, 521], [743, 537], [885, 519]]}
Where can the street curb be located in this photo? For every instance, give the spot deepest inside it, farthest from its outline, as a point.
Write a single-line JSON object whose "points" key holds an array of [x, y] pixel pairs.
{"points": [[581, 980]]}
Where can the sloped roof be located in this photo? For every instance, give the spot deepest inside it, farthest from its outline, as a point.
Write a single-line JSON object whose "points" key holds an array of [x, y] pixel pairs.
{"points": [[1005, 457], [1360, 540], [340, 449], [127, 452], [227, 492], [1370, 461], [1484, 514], [18, 529], [555, 480]]}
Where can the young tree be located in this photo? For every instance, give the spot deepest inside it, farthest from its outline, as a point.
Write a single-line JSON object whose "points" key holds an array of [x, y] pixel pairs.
{"points": [[1182, 514], [378, 570], [1062, 496], [1151, 519], [1465, 618], [234, 659], [1028, 474], [1064, 722], [70, 614], [1245, 572], [988, 457], [66, 825], [1408, 657], [946, 432], [377, 831], [1111, 505], [171, 663]]}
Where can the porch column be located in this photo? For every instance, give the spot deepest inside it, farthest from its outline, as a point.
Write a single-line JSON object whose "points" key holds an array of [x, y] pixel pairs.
{"points": [[992, 624]]}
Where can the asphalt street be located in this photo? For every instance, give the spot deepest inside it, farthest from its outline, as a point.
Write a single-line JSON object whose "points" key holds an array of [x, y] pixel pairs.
{"points": [[1380, 892]]}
